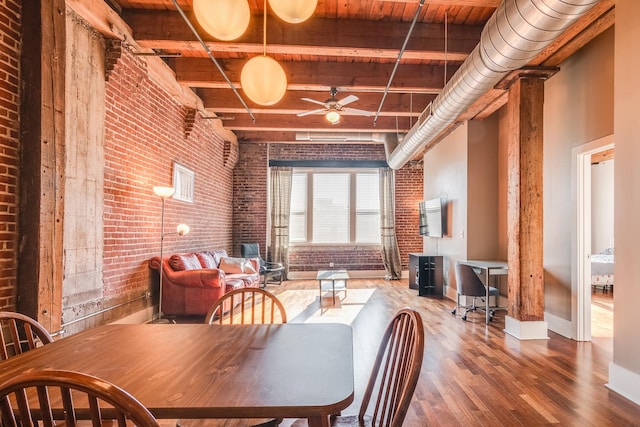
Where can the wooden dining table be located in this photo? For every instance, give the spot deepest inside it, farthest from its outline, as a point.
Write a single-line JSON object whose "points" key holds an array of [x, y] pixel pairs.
{"points": [[196, 371]]}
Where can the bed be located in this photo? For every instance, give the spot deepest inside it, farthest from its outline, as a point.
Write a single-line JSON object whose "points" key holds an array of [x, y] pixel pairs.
{"points": [[602, 270]]}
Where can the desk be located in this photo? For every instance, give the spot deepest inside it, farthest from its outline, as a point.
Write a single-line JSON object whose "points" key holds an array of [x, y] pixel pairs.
{"points": [[490, 268], [337, 278], [213, 371]]}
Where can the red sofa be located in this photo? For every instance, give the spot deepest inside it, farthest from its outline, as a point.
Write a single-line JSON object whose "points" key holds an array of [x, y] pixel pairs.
{"points": [[193, 282]]}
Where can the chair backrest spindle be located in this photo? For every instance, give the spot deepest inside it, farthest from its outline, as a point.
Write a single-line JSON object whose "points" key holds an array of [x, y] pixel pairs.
{"points": [[256, 306], [395, 370], [20, 333], [68, 392]]}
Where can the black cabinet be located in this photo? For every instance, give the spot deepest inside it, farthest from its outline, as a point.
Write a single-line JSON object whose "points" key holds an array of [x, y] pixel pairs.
{"points": [[425, 274]]}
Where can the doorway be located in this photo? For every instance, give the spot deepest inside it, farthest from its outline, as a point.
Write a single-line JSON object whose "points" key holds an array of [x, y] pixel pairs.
{"points": [[581, 301]]}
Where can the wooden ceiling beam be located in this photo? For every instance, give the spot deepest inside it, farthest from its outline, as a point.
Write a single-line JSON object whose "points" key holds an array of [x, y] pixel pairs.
{"points": [[315, 123], [401, 104], [167, 31], [288, 137], [475, 3], [582, 24], [319, 76]]}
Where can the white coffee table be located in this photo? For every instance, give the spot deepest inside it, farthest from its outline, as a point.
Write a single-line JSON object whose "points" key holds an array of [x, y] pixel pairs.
{"points": [[334, 280]]}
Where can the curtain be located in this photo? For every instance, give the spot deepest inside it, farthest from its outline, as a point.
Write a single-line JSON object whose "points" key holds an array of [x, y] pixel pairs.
{"points": [[390, 250], [280, 202]]}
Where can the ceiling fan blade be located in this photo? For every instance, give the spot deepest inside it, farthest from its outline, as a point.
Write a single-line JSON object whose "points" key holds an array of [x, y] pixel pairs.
{"points": [[307, 113], [348, 100], [313, 100], [357, 112]]}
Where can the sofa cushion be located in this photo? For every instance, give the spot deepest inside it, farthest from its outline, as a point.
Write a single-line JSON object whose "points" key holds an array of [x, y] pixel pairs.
{"points": [[182, 262], [236, 265], [217, 255], [207, 260]]}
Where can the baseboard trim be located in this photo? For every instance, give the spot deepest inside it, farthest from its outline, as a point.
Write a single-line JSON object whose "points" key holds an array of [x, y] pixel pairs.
{"points": [[353, 274], [526, 330], [624, 382], [559, 325], [142, 316]]}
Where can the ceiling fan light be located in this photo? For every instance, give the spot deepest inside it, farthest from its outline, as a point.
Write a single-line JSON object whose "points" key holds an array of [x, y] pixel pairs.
{"points": [[223, 19], [293, 11], [263, 80], [333, 117]]}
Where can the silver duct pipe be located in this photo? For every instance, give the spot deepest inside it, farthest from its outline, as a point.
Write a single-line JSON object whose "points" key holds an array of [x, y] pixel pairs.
{"points": [[516, 32]]}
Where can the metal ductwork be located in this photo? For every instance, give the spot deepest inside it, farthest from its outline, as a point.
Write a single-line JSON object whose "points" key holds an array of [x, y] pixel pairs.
{"points": [[516, 32]]}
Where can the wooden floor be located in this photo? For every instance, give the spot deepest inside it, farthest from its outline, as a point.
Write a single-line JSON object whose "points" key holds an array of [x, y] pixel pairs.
{"points": [[472, 373]]}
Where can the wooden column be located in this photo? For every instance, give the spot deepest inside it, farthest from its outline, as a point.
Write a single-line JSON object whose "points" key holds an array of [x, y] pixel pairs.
{"points": [[524, 198], [42, 122]]}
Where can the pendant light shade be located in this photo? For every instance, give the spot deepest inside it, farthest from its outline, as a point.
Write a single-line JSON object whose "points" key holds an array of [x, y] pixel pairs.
{"points": [[263, 80], [223, 19], [293, 11]]}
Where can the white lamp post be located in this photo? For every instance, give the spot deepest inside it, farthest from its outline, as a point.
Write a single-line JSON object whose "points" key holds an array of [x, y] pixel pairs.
{"points": [[181, 229]]}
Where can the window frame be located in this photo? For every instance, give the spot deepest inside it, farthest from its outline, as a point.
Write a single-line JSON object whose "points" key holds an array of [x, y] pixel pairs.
{"points": [[352, 172]]}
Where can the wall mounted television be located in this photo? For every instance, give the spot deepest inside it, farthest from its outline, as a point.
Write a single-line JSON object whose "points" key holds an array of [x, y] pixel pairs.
{"points": [[433, 218]]}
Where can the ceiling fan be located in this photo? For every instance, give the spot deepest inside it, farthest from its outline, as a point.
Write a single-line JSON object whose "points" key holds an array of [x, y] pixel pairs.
{"points": [[332, 107]]}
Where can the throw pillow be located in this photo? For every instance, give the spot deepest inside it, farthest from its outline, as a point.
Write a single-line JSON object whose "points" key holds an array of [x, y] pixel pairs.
{"points": [[207, 260], [181, 262], [236, 266]]}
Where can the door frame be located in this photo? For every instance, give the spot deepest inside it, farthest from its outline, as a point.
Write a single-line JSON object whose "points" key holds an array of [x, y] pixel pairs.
{"points": [[580, 249]]}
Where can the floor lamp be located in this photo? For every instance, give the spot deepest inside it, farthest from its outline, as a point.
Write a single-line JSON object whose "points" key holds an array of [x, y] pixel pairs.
{"points": [[181, 229]]}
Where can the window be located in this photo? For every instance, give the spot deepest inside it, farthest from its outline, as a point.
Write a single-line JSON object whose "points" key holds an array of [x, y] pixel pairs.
{"points": [[335, 206]]}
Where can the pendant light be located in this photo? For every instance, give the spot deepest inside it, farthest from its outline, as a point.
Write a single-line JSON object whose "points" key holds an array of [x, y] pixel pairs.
{"points": [[293, 11], [223, 19], [263, 80]]}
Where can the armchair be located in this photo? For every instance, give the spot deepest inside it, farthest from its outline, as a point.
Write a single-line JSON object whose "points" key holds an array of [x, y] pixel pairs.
{"points": [[269, 270]]}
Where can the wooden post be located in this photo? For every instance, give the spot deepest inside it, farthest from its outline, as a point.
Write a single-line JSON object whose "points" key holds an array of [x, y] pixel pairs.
{"points": [[524, 198], [42, 161], [525, 201]]}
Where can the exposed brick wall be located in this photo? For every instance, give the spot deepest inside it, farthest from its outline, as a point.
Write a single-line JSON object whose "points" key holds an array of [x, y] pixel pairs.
{"points": [[250, 204], [10, 31], [409, 191], [250, 197], [144, 135]]}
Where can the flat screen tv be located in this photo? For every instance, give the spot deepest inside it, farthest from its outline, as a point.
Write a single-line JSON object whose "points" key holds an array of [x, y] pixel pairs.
{"points": [[432, 219]]}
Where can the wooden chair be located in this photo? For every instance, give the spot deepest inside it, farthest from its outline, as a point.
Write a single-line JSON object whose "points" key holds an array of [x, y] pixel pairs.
{"points": [[106, 403], [394, 375], [244, 306], [247, 306], [20, 333]]}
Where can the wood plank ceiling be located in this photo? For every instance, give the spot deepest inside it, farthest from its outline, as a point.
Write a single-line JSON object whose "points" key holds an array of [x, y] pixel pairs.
{"points": [[348, 44]]}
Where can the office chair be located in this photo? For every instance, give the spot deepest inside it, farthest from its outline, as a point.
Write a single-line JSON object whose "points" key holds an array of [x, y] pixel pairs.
{"points": [[20, 333], [47, 395], [469, 284], [269, 270], [394, 375]]}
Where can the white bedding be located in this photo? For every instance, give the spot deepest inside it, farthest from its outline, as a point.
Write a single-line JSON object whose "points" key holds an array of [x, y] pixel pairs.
{"points": [[602, 264]]}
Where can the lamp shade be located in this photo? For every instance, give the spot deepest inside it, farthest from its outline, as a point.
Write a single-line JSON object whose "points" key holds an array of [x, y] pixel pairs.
{"points": [[223, 19], [182, 229], [163, 192], [263, 80], [293, 11]]}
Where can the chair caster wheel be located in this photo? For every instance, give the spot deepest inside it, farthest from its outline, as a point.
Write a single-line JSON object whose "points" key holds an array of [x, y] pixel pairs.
{"points": [[464, 317], [453, 311]]}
